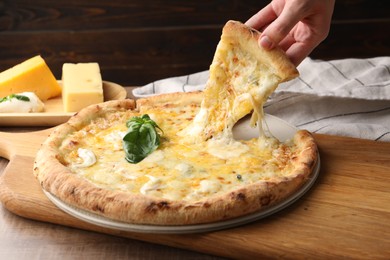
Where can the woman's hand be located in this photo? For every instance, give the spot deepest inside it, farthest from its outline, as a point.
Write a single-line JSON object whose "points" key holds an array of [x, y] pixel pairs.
{"points": [[297, 26]]}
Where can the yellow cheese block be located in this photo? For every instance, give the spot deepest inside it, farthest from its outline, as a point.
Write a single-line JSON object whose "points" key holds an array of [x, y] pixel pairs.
{"points": [[32, 75], [81, 85]]}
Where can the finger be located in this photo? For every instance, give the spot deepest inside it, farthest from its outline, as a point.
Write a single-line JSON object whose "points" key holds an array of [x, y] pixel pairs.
{"points": [[280, 28], [299, 51], [286, 43], [262, 18]]}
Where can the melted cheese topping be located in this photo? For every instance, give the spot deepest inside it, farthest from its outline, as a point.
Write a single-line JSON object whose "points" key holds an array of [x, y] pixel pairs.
{"points": [[177, 170]]}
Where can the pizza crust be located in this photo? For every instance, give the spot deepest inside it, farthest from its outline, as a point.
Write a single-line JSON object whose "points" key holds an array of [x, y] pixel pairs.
{"points": [[248, 38], [58, 179]]}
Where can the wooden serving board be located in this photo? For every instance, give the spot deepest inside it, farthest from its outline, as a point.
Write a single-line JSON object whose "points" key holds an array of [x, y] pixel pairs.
{"points": [[345, 214]]}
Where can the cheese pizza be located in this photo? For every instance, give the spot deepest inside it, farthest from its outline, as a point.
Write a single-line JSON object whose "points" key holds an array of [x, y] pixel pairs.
{"points": [[172, 159]]}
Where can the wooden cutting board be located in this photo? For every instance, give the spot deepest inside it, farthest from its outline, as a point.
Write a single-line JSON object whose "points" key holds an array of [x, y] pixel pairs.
{"points": [[345, 214]]}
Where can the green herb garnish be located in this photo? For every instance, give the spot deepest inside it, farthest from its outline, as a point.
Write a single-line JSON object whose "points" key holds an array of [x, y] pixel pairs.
{"points": [[141, 139], [18, 97]]}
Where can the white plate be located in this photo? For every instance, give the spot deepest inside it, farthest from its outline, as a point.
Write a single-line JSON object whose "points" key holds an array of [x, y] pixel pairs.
{"points": [[279, 128], [54, 113]]}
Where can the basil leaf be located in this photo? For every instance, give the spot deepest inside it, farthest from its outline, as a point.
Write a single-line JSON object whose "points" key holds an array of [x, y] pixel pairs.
{"points": [[18, 97], [22, 98], [141, 138]]}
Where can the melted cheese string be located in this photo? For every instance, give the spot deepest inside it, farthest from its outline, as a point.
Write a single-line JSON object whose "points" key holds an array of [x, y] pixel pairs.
{"points": [[259, 119]]}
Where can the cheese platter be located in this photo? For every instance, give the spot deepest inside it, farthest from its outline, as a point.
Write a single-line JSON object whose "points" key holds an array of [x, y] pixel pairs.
{"points": [[54, 112]]}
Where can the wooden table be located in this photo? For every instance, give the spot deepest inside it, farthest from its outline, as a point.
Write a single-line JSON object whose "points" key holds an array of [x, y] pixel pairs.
{"points": [[345, 215]]}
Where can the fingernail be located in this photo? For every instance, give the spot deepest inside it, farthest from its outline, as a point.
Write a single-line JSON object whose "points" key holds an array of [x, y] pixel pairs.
{"points": [[266, 42]]}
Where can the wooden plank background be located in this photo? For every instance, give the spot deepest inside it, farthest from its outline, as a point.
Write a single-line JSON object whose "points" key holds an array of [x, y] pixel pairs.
{"points": [[136, 42]]}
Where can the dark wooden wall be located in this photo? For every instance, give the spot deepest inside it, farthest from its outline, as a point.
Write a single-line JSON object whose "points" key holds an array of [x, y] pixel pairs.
{"points": [[136, 42]]}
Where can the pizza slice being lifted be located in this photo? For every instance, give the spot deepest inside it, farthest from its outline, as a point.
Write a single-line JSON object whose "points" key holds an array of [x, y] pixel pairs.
{"points": [[242, 77], [199, 173]]}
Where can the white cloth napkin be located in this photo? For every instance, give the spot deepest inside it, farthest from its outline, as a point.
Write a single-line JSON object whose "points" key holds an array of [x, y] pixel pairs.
{"points": [[348, 97]]}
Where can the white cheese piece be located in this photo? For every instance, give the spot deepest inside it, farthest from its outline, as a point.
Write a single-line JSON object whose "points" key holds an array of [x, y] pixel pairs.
{"points": [[154, 157], [15, 105], [184, 169], [209, 186], [106, 178], [226, 148], [115, 138], [87, 156], [153, 184], [175, 190], [121, 168]]}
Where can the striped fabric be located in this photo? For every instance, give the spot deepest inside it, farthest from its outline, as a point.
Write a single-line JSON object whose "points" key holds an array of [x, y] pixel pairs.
{"points": [[349, 97]]}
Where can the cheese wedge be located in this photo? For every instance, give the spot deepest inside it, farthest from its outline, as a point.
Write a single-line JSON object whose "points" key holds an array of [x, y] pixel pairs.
{"points": [[82, 85], [32, 75]]}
